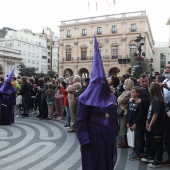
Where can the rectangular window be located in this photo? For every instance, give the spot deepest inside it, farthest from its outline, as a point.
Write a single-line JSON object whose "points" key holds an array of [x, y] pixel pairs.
{"points": [[28, 53], [99, 30], [44, 57], [49, 60], [133, 27], [68, 33], [83, 53], [23, 52], [48, 40], [49, 54], [84, 32], [132, 50], [114, 29], [33, 61], [48, 46], [28, 60], [114, 52], [162, 62], [33, 55], [49, 68], [68, 55], [37, 62], [24, 45]]}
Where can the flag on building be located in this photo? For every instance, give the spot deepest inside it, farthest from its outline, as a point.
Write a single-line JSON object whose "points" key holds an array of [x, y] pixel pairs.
{"points": [[108, 3], [88, 5], [96, 5]]}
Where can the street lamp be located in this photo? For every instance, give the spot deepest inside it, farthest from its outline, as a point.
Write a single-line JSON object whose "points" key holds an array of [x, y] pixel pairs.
{"points": [[139, 45], [137, 70]]}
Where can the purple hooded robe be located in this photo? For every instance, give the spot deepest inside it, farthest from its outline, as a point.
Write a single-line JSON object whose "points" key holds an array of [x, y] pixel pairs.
{"points": [[97, 121], [7, 100]]}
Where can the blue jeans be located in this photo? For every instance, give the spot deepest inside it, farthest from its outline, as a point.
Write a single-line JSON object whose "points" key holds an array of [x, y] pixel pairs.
{"points": [[26, 104], [138, 148], [68, 115]]}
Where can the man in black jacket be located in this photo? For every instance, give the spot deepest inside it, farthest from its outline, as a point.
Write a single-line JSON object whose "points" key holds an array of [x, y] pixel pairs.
{"points": [[44, 107], [145, 102]]}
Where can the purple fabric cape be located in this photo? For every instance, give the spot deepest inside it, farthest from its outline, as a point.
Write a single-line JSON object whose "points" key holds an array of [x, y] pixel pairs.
{"points": [[7, 87], [98, 92], [7, 100]]}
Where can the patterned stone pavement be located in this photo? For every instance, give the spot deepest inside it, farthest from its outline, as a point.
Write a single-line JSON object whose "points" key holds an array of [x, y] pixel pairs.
{"points": [[33, 144]]}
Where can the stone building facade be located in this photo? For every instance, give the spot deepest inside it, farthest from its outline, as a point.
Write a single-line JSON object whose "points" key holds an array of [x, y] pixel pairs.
{"points": [[116, 35], [9, 59]]}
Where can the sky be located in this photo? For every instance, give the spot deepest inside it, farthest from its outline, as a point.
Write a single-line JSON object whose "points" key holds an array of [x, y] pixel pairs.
{"points": [[36, 14]]}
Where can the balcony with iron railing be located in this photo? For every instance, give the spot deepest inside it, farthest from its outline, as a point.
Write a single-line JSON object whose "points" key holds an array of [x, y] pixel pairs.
{"points": [[88, 58]]}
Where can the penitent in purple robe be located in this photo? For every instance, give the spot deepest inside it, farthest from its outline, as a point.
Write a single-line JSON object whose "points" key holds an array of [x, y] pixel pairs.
{"points": [[97, 121], [97, 133], [7, 100]]}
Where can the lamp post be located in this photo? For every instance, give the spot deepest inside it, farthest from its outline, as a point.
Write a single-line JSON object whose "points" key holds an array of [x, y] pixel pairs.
{"points": [[139, 45], [137, 69]]}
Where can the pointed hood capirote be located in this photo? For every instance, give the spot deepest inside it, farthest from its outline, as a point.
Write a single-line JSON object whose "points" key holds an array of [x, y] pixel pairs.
{"points": [[7, 87], [98, 92]]}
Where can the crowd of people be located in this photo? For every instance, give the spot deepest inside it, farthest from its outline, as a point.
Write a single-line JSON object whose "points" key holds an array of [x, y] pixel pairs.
{"points": [[145, 105], [48, 98], [145, 109]]}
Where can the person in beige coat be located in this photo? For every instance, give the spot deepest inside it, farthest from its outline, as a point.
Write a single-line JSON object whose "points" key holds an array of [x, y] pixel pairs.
{"points": [[123, 100], [72, 89]]}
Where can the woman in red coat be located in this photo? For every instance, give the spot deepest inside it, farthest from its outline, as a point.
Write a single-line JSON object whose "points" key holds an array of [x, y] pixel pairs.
{"points": [[63, 86]]}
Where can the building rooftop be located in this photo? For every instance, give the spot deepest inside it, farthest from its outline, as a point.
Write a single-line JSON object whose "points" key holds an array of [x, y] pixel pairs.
{"points": [[104, 17]]}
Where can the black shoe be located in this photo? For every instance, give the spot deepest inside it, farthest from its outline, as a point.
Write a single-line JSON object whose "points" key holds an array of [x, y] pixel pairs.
{"points": [[148, 159], [42, 117], [25, 115], [156, 164], [38, 116], [166, 163]]}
